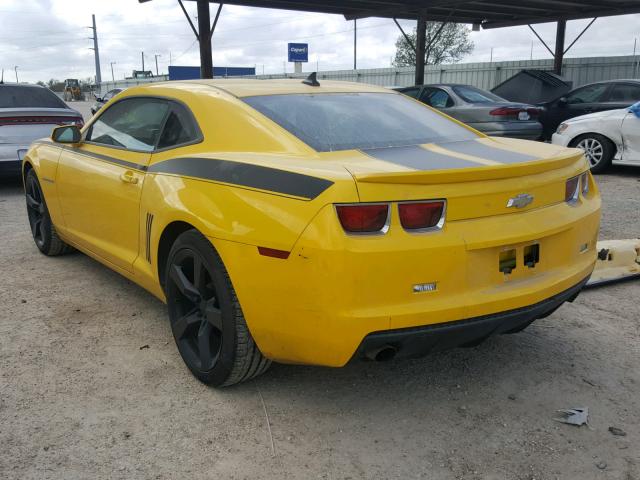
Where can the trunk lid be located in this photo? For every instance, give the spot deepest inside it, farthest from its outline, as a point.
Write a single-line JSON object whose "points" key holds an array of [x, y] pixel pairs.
{"points": [[497, 112], [476, 177], [24, 125]]}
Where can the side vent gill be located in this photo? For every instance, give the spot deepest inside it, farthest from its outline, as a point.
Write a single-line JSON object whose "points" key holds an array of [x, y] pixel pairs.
{"points": [[148, 242]]}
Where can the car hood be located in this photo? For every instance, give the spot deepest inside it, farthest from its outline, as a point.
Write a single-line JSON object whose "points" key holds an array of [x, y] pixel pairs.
{"points": [[618, 114]]}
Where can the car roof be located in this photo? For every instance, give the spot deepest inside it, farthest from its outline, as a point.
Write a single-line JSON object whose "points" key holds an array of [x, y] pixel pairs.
{"points": [[617, 80], [441, 85], [26, 85], [250, 87]]}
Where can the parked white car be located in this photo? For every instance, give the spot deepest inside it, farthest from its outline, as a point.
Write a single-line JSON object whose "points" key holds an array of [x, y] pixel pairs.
{"points": [[612, 136]]}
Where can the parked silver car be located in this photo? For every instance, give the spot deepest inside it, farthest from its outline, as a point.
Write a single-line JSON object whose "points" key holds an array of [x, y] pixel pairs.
{"points": [[28, 112], [480, 109]]}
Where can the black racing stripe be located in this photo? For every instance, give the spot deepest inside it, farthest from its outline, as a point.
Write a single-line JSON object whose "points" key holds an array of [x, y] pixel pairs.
{"points": [[478, 149], [418, 158], [107, 158], [246, 175]]}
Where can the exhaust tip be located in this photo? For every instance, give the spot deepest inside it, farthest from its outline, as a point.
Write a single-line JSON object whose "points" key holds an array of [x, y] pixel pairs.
{"points": [[382, 354]]}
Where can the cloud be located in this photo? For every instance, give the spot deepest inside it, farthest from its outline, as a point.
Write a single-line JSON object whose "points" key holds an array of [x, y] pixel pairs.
{"points": [[49, 38]]}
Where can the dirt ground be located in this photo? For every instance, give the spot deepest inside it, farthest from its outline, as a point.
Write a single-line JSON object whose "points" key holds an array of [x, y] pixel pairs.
{"points": [[92, 386]]}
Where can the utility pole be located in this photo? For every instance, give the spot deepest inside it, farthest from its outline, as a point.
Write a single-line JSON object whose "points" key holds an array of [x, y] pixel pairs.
{"points": [[531, 56], [156, 56], [142, 61], [96, 52], [16, 70], [355, 43], [113, 78]]}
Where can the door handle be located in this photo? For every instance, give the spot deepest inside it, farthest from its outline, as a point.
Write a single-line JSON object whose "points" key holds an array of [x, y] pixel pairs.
{"points": [[129, 177]]}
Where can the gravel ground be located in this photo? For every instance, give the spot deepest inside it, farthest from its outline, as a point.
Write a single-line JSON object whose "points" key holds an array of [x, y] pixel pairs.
{"points": [[91, 386]]}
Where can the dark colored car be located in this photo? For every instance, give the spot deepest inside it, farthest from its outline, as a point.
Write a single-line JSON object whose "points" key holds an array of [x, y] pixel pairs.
{"points": [[27, 113], [595, 97], [480, 109], [100, 101]]}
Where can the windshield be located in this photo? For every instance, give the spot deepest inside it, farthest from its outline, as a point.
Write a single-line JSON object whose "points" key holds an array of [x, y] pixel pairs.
{"points": [[345, 121], [475, 95], [28, 97]]}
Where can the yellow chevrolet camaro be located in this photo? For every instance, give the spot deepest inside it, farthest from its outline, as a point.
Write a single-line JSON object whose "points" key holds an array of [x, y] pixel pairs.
{"points": [[312, 224]]}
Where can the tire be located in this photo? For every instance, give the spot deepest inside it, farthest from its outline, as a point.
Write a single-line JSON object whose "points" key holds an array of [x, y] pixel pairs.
{"points": [[43, 231], [206, 317], [598, 149]]}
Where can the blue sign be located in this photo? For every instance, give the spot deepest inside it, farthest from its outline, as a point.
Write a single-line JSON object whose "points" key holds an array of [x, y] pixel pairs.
{"points": [[298, 52]]}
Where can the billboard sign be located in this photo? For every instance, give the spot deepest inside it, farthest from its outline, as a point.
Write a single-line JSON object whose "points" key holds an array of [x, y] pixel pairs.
{"points": [[298, 52]]}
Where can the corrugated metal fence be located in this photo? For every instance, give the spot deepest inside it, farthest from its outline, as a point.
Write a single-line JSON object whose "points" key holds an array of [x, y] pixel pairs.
{"points": [[483, 75], [487, 75]]}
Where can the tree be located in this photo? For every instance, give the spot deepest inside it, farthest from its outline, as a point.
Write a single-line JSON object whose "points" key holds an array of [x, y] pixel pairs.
{"points": [[449, 46]]}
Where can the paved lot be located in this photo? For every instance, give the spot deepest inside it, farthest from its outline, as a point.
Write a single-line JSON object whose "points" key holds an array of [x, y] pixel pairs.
{"points": [[80, 397]]}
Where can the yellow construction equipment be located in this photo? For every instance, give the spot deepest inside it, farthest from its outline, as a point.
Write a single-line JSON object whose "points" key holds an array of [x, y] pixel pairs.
{"points": [[72, 90]]}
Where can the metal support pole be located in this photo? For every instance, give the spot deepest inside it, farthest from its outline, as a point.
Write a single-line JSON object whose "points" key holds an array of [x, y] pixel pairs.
{"points": [[156, 56], [406, 37], [206, 59], [421, 39], [355, 43], [142, 53], [559, 53], [113, 78]]}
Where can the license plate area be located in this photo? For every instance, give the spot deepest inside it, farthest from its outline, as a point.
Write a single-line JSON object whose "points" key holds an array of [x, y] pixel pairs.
{"points": [[523, 258], [523, 116]]}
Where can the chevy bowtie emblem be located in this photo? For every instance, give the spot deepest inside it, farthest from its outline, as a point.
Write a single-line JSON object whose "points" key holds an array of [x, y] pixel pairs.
{"points": [[520, 201]]}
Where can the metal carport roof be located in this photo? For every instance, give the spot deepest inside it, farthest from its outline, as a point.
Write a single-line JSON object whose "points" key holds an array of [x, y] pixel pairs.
{"points": [[480, 13], [489, 14]]}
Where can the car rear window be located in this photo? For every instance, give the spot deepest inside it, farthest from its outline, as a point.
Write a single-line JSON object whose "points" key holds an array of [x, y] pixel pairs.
{"points": [[475, 95], [344, 121], [15, 96]]}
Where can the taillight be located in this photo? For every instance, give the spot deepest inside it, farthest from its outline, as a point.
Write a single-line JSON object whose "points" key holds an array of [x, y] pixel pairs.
{"points": [[533, 111], [364, 217], [584, 182], [572, 190], [421, 215], [506, 111]]}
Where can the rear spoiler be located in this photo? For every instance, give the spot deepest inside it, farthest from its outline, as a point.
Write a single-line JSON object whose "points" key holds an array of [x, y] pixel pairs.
{"points": [[471, 174]]}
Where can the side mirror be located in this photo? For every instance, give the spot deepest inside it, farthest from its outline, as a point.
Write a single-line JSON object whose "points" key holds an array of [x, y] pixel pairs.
{"points": [[66, 134], [99, 99], [562, 101]]}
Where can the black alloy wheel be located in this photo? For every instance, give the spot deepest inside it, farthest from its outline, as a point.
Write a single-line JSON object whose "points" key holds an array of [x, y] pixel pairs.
{"points": [[206, 318], [196, 316], [36, 210], [43, 231]]}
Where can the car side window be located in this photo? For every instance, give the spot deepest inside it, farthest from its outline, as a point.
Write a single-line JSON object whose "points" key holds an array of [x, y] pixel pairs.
{"points": [[411, 92], [133, 123], [179, 129], [590, 94], [436, 98], [625, 93]]}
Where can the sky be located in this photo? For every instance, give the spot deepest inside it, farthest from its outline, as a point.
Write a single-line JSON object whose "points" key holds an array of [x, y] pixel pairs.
{"points": [[50, 39]]}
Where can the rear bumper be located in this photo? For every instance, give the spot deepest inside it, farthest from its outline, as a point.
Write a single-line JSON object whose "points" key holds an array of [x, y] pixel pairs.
{"points": [[417, 342], [10, 168]]}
